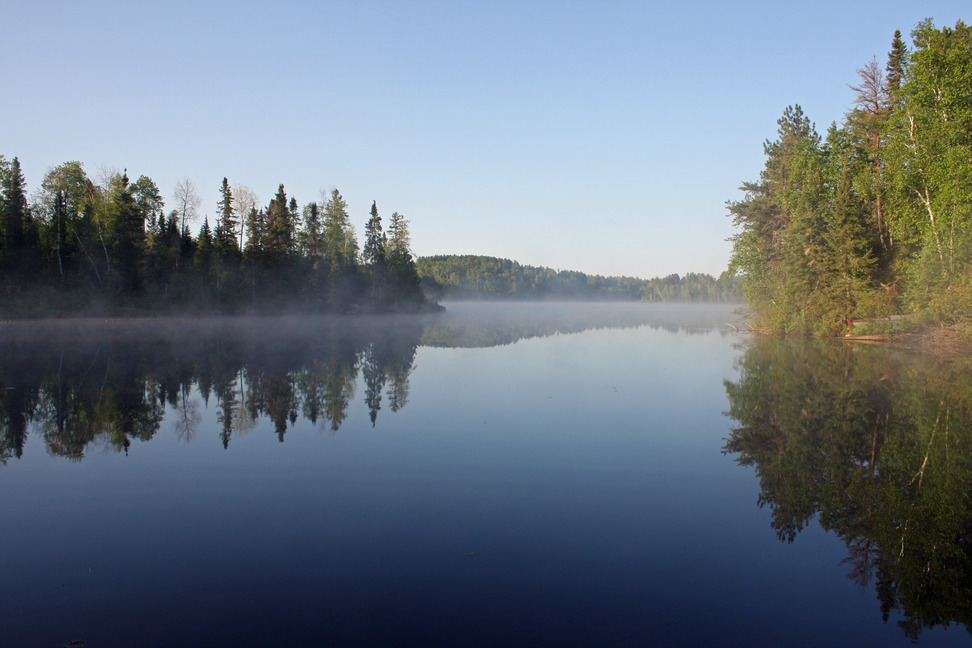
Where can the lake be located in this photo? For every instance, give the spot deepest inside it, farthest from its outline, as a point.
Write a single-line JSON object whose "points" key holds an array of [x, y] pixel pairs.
{"points": [[497, 474]]}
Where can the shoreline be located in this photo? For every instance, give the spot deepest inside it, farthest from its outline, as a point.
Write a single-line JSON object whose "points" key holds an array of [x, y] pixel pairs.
{"points": [[940, 340]]}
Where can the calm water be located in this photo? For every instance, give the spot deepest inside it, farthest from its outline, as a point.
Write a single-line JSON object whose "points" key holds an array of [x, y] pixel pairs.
{"points": [[535, 474]]}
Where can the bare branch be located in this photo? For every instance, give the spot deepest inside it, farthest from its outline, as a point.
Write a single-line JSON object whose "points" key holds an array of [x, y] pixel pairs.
{"points": [[187, 201]]}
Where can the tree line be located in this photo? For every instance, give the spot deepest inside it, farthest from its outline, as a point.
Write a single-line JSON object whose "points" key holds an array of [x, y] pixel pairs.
{"points": [[875, 216], [77, 245], [485, 277]]}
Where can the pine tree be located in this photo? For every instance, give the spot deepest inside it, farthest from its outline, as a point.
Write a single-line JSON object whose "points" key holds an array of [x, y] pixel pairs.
{"points": [[897, 59], [402, 268], [279, 232], [341, 248], [294, 225], [128, 237], [373, 252], [17, 254], [226, 221], [849, 260], [256, 229], [399, 239], [14, 214], [766, 250], [312, 235], [203, 257]]}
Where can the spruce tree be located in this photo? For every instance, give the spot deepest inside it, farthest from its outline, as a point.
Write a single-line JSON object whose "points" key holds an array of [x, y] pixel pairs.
{"points": [[312, 235], [17, 260], [897, 58], [373, 253], [340, 244], [279, 232], [402, 268], [128, 236], [294, 225], [226, 221], [204, 249], [849, 261], [14, 214]]}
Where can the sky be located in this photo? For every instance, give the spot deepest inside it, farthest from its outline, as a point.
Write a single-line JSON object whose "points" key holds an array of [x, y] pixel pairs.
{"points": [[604, 137]]}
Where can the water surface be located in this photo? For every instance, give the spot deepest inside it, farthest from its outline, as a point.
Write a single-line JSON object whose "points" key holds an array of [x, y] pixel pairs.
{"points": [[532, 474]]}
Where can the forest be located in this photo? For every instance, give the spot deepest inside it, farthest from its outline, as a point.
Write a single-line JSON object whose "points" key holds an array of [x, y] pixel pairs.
{"points": [[875, 216], [78, 246], [485, 277]]}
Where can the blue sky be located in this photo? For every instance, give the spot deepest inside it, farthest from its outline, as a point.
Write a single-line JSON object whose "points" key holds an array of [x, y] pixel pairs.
{"points": [[603, 137]]}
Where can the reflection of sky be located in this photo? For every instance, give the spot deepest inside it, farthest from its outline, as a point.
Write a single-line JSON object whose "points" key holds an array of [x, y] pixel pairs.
{"points": [[583, 472]]}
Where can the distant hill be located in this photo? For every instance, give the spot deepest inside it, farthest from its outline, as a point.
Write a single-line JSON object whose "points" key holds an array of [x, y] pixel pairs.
{"points": [[484, 277]]}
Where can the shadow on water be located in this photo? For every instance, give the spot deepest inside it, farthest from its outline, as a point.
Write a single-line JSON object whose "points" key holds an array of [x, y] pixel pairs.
{"points": [[877, 445]]}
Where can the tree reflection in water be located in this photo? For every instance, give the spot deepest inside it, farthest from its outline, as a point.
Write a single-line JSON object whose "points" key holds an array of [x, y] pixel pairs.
{"points": [[877, 444], [80, 381], [110, 386]]}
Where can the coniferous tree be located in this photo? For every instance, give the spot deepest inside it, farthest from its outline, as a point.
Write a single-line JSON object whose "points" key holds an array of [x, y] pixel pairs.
{"points": [[373, 253], [113, 242], [226, 221], [279, 233], [128, 237], [311, 239], [764, 250], [16, 255], [294, 226], [849, 261], [14, 213], [256, 228], [205, 248], [897, 58], [341, 248], [399, 239], [401, 264]]}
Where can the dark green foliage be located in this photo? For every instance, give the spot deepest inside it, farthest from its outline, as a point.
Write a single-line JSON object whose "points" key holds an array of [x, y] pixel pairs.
{"points": [[112, 249], [129, 239], [838, 229], [280, 232], [14, 213], [896, 63], [226, 240], [489, 277], [403, 277], [18, 240], [373, 253]]}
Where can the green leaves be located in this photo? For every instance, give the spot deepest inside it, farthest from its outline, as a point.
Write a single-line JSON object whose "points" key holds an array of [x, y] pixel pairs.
{"points": [[885, 200]]}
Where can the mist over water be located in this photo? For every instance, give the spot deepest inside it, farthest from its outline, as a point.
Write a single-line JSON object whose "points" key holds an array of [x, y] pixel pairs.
{"points": [[514, 474]]}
